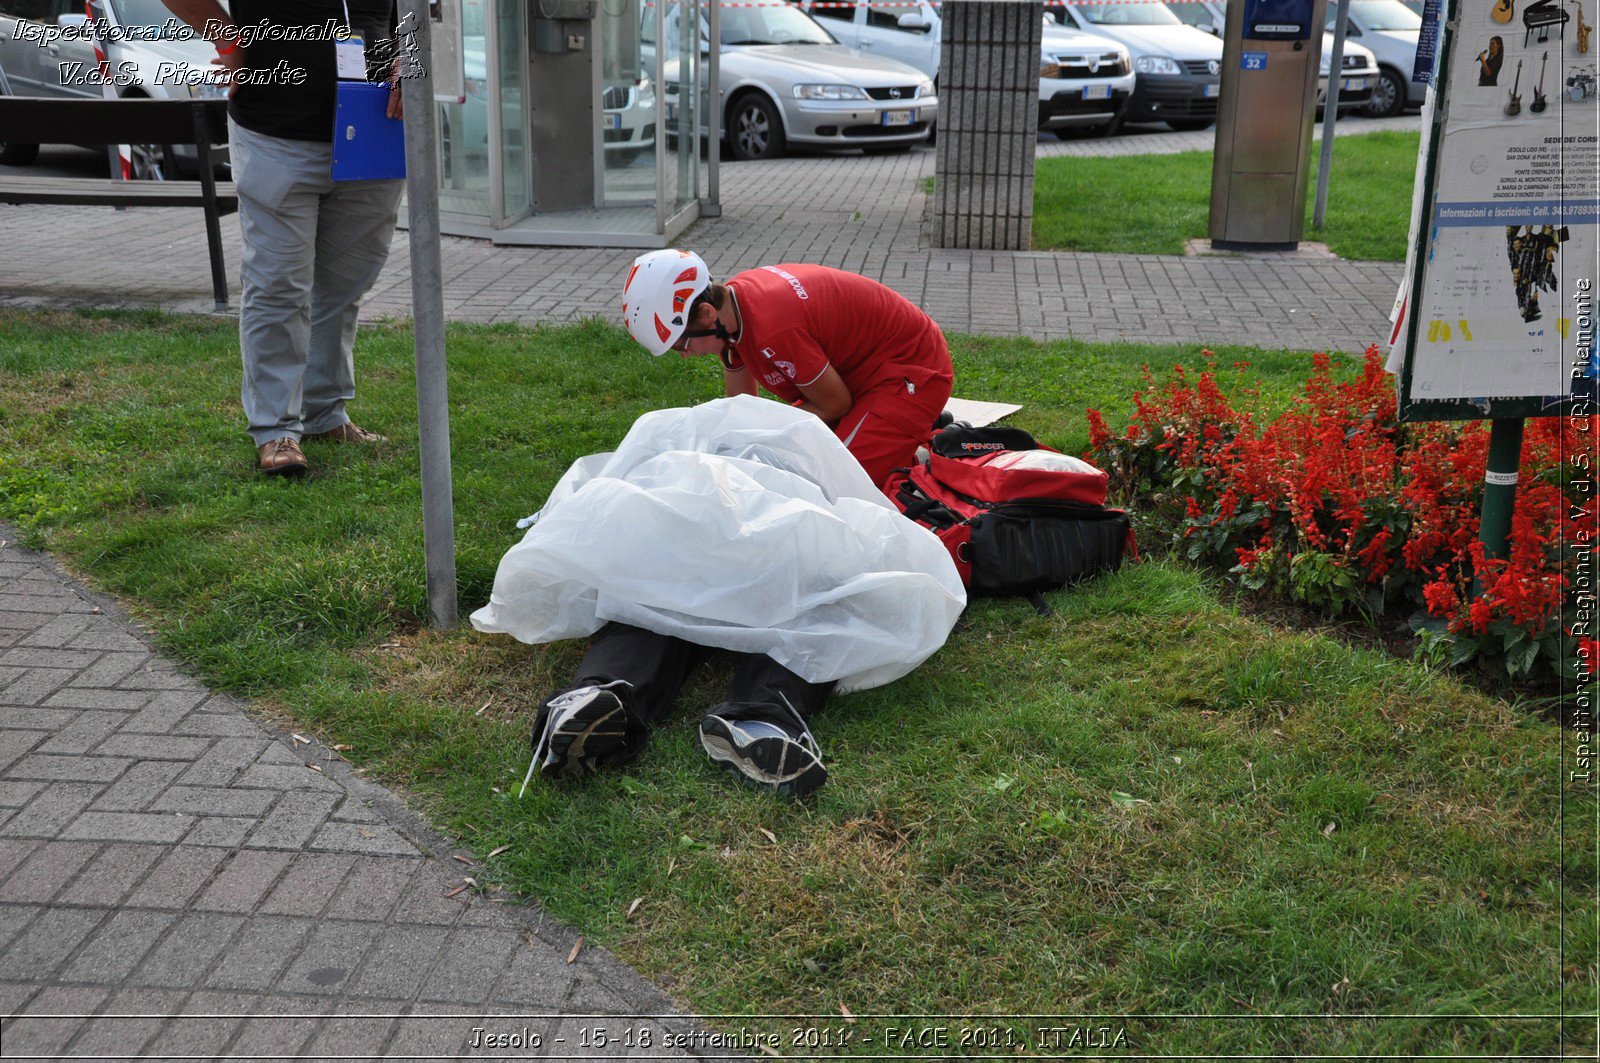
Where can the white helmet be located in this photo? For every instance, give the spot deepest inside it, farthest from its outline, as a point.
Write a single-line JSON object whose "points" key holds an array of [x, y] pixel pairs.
{"points": [[657, 294]]}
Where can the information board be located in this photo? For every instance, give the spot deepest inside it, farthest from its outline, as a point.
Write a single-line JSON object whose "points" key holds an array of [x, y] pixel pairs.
{"points": [[1497, 320]]}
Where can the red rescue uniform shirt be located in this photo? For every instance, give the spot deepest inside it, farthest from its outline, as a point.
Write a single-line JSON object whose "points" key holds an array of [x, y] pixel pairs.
{"points": [[796, 320]]}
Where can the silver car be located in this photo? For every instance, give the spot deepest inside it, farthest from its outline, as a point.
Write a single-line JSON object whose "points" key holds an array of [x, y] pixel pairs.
{"points": [[46, 50], [1390, 30], [31, 65], [786, 81], [43, 48]]}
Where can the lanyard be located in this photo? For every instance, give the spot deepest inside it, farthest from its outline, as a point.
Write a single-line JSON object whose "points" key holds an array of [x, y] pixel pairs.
{"points": [[350, 53]]}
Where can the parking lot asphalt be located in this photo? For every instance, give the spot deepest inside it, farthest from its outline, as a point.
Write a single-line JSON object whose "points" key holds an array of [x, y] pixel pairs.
{"points": [[863, 213]]}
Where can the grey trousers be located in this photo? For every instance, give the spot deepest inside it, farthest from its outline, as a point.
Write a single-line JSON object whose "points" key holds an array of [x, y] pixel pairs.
{"points": [[313, 248]]}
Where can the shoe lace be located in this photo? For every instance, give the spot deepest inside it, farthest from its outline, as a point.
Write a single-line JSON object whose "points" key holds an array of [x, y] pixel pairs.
{"points": [[542, 747], [533, 765], [539, 751], [805, 737], [282, 446]]}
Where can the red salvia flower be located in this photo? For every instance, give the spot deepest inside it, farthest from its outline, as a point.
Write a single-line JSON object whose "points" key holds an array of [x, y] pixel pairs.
{"points": [[1396, 503]]}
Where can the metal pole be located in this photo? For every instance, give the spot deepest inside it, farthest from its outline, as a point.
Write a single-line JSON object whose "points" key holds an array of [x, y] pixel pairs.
{"points": [[1499, 487], [1330, 115], [427, 314], [712, 207], [661, 113], [497, 136]]}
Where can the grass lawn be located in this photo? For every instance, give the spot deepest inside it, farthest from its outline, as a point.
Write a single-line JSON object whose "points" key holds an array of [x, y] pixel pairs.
{"points": [[1144, 804], [1153, 204]]}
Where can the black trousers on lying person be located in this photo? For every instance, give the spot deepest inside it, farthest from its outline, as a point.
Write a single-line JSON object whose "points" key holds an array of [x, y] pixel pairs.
{"points": [[654, 668]]}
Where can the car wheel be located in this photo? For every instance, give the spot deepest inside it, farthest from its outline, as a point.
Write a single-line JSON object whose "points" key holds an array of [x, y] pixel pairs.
{"points": [[17, 154], [1190, 125], [1388, 95], [754, 129], [152, 162]]}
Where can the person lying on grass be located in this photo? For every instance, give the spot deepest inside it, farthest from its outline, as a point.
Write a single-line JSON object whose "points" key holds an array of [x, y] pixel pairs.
{"points": [[870, 365]]}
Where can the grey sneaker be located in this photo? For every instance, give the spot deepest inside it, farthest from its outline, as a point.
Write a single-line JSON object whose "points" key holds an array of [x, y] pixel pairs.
{"points": [[580, 727], [786, 760]]}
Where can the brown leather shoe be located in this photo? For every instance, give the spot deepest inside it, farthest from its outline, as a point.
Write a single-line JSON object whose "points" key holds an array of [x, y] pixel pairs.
{"points": [[282, 457], [349, 432]]}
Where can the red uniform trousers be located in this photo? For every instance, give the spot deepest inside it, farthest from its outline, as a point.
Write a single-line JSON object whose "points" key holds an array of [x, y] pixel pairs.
{"points": [[887, 424]]}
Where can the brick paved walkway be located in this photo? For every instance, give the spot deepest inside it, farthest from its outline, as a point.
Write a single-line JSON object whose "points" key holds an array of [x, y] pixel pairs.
{"points": [[855, 212], [162, 853]]}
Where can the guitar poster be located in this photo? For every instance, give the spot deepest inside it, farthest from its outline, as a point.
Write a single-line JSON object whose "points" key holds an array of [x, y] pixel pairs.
{"points": [[1500, 315]]}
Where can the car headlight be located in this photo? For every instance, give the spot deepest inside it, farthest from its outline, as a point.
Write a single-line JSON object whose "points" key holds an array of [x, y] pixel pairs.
{"points": [[1049, 70], [647, 92], [828, 92], [1157, 64]]}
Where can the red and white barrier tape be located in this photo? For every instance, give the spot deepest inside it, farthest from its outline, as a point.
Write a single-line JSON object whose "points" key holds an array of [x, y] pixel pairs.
{"points": [[108, 89], [886, 3]]}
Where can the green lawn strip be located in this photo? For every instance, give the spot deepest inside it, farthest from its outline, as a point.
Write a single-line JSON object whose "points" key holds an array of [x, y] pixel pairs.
{"points": [[1154, 204], [1121, 808]]}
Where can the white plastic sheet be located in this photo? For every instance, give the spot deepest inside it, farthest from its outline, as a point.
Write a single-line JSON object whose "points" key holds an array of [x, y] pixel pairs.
{"points": [[742, 524]]}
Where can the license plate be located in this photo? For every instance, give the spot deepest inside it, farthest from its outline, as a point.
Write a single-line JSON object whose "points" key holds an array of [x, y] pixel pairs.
{"points": [[1213, 91], [672, 114], [614, 120], [898, 117], [1353, 83], [1097, 92]]}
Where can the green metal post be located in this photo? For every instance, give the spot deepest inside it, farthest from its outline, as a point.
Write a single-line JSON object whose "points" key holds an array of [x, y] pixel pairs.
{"points": [[1499, 486]]}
